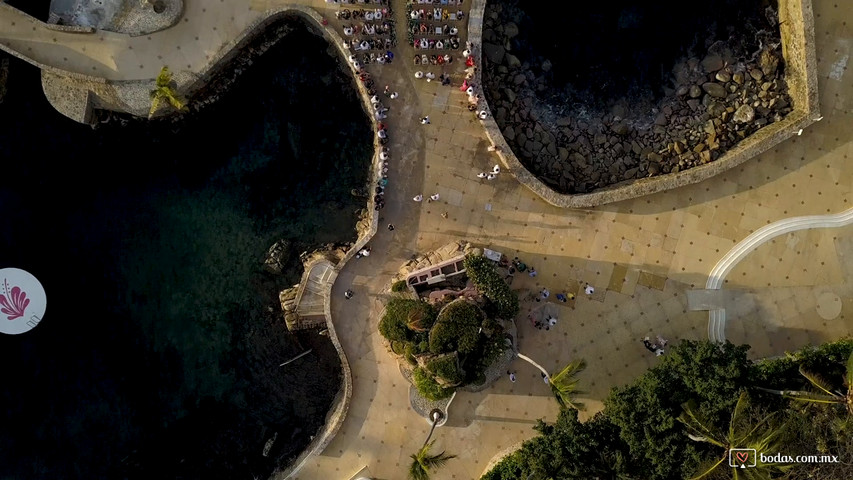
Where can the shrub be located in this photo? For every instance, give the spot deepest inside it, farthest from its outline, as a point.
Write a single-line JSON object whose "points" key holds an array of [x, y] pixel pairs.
{"points": [[398, 347], [398, 286], [828, 359], [488, 281], [394, 323], [447, 368], [428, 387], [456, 328], [409, 353]]}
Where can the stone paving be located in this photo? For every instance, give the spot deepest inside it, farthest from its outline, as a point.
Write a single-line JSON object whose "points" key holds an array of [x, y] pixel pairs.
{"points": [[642, 255]]}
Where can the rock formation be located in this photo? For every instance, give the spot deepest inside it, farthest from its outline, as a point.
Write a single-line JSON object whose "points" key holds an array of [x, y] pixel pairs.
{"points": [[715, 102]]}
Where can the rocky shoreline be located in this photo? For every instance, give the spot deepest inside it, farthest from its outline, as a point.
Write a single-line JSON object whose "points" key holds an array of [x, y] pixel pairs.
{"points": [[714, 102]]}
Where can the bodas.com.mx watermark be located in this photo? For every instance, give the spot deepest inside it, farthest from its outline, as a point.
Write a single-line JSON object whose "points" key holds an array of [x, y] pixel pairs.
{"points": [[748, 457]]}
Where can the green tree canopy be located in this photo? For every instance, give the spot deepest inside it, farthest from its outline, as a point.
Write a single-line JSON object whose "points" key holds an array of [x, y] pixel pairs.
{"points": [[457, 328], [709, 374], [394, 324], [568, 450], [502, 301]]}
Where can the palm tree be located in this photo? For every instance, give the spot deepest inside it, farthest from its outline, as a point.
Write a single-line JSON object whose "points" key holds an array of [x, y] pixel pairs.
{"points": [[165, 91], [826, 394], [565, 385], [763, 436], [415, 321], [423, 461]]}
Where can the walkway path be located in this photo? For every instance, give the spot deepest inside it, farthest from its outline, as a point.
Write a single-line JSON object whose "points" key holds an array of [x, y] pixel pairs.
{"points": [[717, 316], [643, 255]]}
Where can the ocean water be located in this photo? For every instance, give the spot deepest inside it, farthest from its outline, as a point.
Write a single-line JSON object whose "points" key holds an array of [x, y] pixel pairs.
{"points": [[158, 355], [602, 51]]}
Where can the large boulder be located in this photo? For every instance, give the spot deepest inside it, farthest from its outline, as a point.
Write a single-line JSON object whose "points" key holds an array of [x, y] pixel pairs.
{"points": [[512, 61], [277, 256], [494, 53], [509, 133], [714, 89], [768, 62], [712, 63], [510, 30], [744, 114]]}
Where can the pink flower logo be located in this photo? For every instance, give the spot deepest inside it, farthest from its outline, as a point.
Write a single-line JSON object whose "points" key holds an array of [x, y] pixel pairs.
{"points": [[14, 302]]}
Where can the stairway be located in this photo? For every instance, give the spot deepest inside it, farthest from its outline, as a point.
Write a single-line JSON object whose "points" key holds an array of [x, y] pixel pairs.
{"points": [[313, 297]]}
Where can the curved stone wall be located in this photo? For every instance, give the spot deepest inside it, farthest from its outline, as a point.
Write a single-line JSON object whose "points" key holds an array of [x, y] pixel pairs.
{"points": [[797, 30]]}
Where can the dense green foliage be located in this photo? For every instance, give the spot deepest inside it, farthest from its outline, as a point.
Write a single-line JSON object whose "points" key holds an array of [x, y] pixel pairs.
{"points": [[639, 435], [428, 387], [447, 368], [394, 324], [415, 328], [646, 411], [456, 328], [398, 286], [502, 301], [568, 449]]}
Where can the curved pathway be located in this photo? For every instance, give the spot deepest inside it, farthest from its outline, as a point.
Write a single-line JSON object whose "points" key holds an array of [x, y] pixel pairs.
{"points": [[717, 316], [642, 255]]}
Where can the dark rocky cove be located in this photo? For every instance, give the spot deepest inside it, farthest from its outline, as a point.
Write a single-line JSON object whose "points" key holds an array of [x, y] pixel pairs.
{"points": [[599, 93], [159, 353]]}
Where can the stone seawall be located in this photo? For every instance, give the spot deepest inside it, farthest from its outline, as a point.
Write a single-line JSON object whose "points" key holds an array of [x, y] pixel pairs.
{"points": [[798, 51]]}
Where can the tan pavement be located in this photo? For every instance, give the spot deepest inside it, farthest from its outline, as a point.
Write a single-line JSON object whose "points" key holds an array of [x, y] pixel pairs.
{"points": [[642, 256]]}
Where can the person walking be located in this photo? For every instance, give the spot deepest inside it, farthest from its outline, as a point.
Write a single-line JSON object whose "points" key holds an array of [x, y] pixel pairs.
{"points": [[543, 295], [533, 272], [418, 198], [390, 227], [511, 376], [561, 297], [589, 289], [394, 95], [348, 294], [496, 169], [425, 120], [650, 346], [482, 175], [433, 198]]}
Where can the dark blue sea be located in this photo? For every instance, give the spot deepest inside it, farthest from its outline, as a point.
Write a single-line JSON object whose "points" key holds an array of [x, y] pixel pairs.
{"points": [[609, 50], [158, 356]]}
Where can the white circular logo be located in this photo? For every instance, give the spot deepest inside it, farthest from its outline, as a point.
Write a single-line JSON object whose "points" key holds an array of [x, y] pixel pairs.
{"points": [[22, 301]]}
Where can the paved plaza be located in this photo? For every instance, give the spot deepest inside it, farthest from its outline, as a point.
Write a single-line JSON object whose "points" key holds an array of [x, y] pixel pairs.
{"points": [[642, 256]]}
